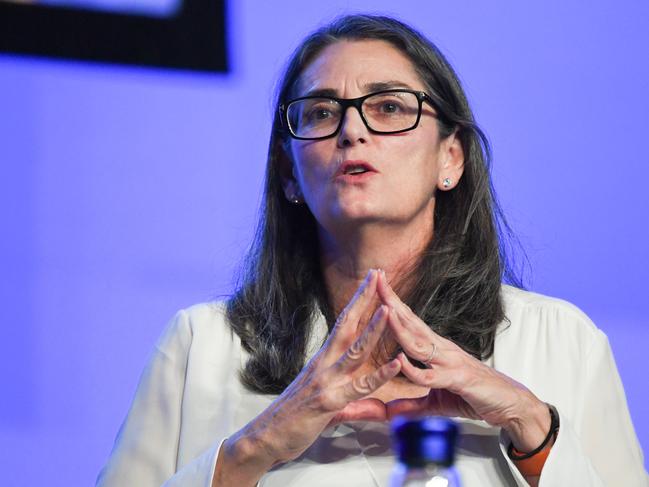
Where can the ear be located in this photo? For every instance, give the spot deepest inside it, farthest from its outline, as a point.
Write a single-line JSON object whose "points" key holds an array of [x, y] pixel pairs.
{"points": [[290, 185], [451, 157]]}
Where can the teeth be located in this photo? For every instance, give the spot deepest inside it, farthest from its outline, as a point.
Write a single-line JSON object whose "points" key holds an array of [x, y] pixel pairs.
{"points": [[356, 170]]}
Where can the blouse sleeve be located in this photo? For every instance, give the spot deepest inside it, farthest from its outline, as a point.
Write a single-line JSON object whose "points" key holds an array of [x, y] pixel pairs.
{"points": [[598, 447], [145, 453], [603, 423]]}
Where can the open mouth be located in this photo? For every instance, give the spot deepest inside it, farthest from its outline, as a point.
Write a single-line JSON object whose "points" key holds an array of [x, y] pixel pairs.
{"points": [[355, 168]]}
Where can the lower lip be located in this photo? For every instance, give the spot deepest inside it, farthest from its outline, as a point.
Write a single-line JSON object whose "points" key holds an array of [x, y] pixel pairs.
{"points": [[355, 178]]}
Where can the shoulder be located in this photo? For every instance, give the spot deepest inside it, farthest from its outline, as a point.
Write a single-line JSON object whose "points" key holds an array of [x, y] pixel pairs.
{"points": [[199, 326], [210, 314], [543, 322], [545, 310]]}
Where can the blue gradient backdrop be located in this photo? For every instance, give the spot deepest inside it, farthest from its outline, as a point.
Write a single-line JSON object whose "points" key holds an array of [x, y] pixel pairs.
{"points": [[128, 193]]}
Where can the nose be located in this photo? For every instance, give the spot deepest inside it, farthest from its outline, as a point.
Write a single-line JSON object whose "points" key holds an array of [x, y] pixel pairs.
{"points": [[353, 129]]}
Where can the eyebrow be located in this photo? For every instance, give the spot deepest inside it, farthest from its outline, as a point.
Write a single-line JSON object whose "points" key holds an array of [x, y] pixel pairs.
{"points": [[367, 87]]}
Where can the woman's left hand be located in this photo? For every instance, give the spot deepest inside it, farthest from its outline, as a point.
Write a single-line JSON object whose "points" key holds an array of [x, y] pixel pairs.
{"points": [[460, 384]]}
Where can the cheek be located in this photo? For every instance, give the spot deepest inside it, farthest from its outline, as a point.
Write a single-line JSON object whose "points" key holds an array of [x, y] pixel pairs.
{"points": [[311, 166], [416, 164]]}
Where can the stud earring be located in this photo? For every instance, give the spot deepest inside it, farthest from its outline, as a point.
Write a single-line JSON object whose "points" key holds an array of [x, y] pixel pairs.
{"points": [[295, 198], [446, 183]]}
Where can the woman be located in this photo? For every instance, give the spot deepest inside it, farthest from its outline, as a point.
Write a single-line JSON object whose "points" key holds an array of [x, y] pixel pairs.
{"points": [[375, 163]]}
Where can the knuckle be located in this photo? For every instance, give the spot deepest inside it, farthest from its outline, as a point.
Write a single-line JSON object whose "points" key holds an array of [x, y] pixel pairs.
{"points": [[419, 346], [328, 404], [346, 316], [357, 348], [362, 384], [320, 399], [428, 377], [342, 317], [355, 352]]}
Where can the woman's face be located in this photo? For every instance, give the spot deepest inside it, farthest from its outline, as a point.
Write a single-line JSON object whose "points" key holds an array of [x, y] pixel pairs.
{"points": [[405, 168]]}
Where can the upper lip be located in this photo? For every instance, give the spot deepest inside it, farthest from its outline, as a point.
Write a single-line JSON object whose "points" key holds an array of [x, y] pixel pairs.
{"points": [[349, 164]]}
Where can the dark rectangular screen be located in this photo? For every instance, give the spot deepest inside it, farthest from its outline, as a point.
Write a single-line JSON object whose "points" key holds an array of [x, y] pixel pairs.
{"points": [[185, 34]]}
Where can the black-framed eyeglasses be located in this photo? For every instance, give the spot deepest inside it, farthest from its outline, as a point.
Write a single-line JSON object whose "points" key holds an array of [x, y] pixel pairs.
{"points": [[383, 112]]}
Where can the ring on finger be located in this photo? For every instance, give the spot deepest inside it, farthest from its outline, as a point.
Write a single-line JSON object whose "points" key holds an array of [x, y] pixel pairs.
{"points": [[430, 357]]}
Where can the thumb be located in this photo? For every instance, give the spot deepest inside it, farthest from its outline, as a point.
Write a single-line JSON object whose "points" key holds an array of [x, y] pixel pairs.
{"points": [[410, 406], [361, 410]]}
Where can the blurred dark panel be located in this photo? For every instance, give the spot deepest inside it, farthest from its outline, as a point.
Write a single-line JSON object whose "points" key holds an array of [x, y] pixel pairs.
{"points": [[194, 38]]}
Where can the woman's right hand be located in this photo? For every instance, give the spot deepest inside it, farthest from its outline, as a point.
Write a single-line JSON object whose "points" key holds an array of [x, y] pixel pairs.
{"points": [[329, 390]]}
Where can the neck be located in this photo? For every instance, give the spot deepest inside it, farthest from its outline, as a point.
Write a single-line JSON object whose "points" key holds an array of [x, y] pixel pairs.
{"points": [[346, 257]]}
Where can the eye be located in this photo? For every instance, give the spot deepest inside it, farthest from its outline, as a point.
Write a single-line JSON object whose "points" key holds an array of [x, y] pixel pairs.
{"points": [[319, 114], [319, 111], [389, 107], [386, 105]]}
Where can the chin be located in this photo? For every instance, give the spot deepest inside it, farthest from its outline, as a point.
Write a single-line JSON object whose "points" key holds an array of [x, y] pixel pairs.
{"points": [[358, 211]]}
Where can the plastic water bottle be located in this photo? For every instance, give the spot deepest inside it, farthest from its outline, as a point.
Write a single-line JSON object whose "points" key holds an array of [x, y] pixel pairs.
{"points": [[425, 450]]}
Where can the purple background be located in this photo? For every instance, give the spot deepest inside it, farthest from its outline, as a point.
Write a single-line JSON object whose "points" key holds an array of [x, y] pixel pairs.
{"points": [[128, 193]]}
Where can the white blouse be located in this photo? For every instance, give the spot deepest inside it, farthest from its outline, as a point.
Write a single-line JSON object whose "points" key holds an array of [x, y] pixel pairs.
{"points": [[189, 400]]}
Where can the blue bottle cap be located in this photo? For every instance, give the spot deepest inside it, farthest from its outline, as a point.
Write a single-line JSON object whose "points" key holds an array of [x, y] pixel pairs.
{"points": [[419, 441]]}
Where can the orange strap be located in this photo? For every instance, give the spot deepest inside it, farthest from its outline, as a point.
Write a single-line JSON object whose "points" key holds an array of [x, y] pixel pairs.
{"points": [[532, 466]]}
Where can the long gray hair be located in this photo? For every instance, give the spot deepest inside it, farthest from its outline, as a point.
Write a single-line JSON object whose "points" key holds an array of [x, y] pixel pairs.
{"points": [[456, 282]]}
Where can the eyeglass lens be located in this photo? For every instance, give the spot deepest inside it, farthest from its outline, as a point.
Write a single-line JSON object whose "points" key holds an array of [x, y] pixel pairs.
{"points": [[383, 112]]}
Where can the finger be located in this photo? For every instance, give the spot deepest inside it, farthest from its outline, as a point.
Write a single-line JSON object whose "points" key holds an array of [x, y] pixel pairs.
{"points": [[386, 293], [415, 336], [392, 299], [422, 377], [437, 402], [362, 410], [453, 375], [419, 342], [361, 349], [350, 316], [364, 385], [407, 406]]}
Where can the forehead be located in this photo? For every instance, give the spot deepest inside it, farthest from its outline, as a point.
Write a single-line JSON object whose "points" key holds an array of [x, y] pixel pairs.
{"points": [[348, 67]]}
